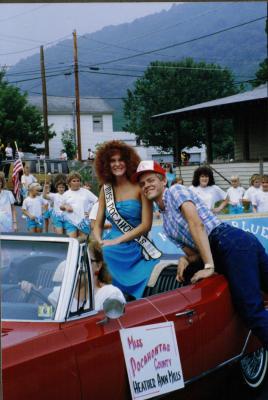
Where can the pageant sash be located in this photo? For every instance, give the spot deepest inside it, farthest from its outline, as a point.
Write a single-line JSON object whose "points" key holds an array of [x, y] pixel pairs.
{"points": [[149, 250]]}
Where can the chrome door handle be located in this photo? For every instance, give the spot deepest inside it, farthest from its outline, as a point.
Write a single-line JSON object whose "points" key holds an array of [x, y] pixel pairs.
{"points": [[187, 313]]}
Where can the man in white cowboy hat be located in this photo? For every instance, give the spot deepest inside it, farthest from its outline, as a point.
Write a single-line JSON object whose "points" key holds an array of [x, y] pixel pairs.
{"points": [[237, 254]]}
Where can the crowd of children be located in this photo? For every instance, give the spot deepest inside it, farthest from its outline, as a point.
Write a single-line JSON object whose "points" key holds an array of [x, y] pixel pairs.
{"points": [[72, 208]]}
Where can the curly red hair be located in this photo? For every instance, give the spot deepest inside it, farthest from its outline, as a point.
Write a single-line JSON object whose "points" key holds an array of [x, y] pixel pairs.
{"points": [[104, 154]]}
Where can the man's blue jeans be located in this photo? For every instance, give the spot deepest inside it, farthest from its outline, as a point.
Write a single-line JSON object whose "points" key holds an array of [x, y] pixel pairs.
{"points": [[242, 259]]}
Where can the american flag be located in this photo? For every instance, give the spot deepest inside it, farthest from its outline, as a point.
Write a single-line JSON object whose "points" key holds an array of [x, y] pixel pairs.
{"points": [[17, 167]]}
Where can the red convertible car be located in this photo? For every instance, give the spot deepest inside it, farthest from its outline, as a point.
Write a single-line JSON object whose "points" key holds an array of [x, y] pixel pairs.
{"points": [[52, 350]]}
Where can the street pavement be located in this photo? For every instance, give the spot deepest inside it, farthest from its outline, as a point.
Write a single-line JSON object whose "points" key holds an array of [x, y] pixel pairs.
{"points": [[227, 384]]}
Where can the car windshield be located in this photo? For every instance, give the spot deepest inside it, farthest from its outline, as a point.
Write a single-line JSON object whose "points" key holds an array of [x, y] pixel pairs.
{"points": [[31, 278]]}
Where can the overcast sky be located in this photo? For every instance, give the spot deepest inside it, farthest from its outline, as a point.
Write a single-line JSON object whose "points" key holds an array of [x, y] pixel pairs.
{"points": [[27, 26]]}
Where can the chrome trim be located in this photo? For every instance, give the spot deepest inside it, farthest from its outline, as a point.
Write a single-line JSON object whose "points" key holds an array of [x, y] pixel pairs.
{"points": [[223, 364], [230, 361], [186, 313]]}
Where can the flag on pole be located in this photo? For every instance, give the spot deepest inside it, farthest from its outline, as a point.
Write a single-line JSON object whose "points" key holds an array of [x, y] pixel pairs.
{"points": [[17, 168]]}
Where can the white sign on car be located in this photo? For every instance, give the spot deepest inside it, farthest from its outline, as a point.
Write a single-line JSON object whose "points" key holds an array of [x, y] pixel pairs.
{"points": [[152, 360]]}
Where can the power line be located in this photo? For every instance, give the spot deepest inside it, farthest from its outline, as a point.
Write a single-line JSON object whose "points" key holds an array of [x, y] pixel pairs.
{"points": [[157, 30], [23, 13], [37, 47], [180, 43]]}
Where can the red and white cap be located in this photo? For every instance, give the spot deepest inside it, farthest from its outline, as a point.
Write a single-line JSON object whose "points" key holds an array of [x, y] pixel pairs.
{"points": [[148, 166]]}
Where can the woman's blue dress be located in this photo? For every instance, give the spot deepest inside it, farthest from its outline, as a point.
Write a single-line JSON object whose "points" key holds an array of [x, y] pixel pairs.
{"points": [[129, 269]]}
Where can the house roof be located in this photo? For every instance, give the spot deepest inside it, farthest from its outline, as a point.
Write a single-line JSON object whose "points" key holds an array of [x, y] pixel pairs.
{"points": [[65, 105], [259, 93]]}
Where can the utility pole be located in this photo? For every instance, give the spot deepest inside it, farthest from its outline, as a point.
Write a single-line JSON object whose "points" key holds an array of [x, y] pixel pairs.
{"points": [[44, 94], [77, 97]]}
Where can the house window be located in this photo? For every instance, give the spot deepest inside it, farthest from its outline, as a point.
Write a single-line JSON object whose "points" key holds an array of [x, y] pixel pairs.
{"points": [[97, 123]]}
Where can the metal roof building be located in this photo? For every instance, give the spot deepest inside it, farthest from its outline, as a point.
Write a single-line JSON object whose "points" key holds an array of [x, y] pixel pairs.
{"points": [[65, 105], [249, 112]]}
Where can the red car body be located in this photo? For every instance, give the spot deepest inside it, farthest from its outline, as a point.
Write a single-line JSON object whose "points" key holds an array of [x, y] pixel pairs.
{"points": [[82, 358]]}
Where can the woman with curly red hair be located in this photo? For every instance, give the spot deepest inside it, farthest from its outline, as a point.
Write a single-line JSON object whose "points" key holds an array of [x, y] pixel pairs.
{"points": [[130, 213]]}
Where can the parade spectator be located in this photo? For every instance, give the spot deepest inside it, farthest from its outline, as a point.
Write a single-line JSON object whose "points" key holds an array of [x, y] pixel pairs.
{"points": [[90, 156], [87, 185], [237, 254], [26, 180], [177, 181], [9, 152], [8, 218], [63, 155], [169, 174], [129, 212], [255, 187], [235, 195], [57, 215], [32, 208], [20, 153], [260, 198], [42, 156], [203, 185], [77, 204]]}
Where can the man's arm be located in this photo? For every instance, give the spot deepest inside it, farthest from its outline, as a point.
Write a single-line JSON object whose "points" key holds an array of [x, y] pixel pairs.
{"points": [[200, 239]]}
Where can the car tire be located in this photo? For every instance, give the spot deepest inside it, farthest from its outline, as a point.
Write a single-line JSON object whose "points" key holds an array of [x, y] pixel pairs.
{"points": [[254, 368]]}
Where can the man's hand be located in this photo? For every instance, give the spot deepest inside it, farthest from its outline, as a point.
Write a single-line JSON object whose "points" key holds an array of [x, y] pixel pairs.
{"points": [[203, 273], [26, 286], [182, 265]]}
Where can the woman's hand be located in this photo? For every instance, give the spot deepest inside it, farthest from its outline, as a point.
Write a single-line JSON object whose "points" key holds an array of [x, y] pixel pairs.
{"points": [[182, 265], [203, 273], [111, 242]]}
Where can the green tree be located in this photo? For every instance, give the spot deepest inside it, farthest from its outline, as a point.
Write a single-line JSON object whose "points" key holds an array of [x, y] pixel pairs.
{"points": [[261, 74], [168, 86], [68, 141], [19, 121]]}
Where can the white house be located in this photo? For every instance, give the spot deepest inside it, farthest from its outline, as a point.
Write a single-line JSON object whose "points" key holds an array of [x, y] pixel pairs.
{"points": [[96, 121]]}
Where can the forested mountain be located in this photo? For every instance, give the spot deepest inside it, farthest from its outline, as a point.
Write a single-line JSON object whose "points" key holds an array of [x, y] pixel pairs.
{"points": [[240, 49]]}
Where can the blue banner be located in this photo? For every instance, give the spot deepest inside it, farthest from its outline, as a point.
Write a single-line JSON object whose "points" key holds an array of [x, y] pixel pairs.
{"points": [[258, 225]]}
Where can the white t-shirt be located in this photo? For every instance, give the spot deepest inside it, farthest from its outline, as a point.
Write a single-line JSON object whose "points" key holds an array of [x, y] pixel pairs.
{"points": [[260, 201], [106, 291], [57, 200], [81, 202], [209, 194], [101, 294], [235, 194], [6, 200], [94, 211], [250, 192], [26, 180], [9, 152], [34, 205]]}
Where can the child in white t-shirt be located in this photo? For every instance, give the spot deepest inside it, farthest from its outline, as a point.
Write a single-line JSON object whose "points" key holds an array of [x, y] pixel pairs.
{"points": [[32, 207], [235, 194], [260, 198], [57, 215], [255, 187], [77, 204], [26, 180], [8, 218]]}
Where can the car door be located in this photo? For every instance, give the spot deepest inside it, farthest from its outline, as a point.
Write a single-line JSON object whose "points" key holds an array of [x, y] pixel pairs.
{"points": [[221, 334], [98, 347], [38, 362]]}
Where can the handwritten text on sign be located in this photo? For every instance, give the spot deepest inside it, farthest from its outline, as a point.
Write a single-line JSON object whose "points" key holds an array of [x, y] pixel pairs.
{"points": [[152, 360]]}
